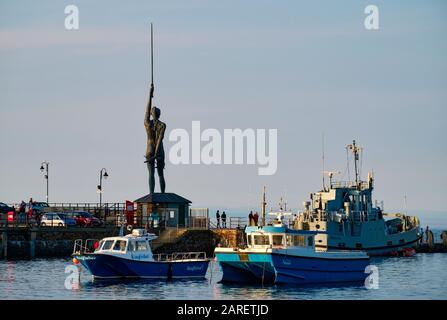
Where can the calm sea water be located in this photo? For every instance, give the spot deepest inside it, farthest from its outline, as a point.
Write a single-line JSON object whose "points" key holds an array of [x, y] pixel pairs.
{"points": [[423, 276]]}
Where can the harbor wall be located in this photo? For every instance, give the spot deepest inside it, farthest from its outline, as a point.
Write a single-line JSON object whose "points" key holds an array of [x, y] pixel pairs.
{"points": [[37, 243], [34, 243], [203, 241], [41, 243]]}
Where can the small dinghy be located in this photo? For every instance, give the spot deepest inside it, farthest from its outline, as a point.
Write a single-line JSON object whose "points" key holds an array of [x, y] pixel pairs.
{"points": [[131, 256]]}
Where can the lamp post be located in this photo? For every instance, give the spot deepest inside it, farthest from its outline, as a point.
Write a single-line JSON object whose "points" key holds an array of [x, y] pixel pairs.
{"points": [[42, 168], [102, 173]]}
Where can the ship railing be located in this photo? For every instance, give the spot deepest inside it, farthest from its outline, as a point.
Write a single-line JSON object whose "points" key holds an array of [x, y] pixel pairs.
{"points": [[188, 255], [349, 184], [180, 256], [82, 247]]}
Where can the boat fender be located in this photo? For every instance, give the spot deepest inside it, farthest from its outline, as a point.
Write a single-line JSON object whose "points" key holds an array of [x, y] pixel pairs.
{"points": [[129, 227]]}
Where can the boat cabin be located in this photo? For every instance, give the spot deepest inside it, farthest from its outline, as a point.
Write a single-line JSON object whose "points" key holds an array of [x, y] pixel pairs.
{"points": [[279, 237], [136, 244]]}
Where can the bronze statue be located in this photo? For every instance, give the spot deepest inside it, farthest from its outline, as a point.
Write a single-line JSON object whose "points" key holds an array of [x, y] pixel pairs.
{"points": [[155, 153]]}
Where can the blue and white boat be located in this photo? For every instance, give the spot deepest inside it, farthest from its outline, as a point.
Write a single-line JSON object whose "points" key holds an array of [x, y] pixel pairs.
{"points": [[277, 254], [131, 256]]}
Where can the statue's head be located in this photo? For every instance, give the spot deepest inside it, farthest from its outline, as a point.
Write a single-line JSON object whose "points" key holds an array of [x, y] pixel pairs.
{"points": [[155, 113]]}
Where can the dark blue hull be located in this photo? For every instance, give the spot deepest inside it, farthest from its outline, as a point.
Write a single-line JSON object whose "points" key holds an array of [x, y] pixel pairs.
{"points": [[304, 270], [288, 269], [188, 269], [249, 273], [254, 268], [108, 266]]}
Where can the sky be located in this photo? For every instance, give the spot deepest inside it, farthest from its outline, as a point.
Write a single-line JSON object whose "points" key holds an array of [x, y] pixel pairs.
{"points": [[77, 98]]}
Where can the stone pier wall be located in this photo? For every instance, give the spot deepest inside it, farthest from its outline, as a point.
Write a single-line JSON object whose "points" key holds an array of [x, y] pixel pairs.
{"points": [[35, 243], [39, 243], [203, 241]]}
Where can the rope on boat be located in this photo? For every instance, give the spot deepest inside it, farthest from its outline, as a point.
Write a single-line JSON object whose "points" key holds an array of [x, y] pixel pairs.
{"points": [[211, 271]]}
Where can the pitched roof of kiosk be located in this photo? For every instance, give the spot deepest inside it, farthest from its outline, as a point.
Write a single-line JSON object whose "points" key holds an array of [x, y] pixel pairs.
{"points": [[162, 198]]}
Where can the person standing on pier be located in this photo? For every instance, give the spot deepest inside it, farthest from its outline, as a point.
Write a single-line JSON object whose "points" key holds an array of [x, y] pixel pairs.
{"points": [[22, 212], [30, 208], [218, 219], [256, 218], [224, 219], [250, 218]]}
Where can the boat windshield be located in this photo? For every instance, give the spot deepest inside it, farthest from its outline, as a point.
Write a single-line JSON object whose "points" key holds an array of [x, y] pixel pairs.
{"points": [[107, 245], [296, 240], [120, 245], [277, 240], [142, 246], [261, 240]]}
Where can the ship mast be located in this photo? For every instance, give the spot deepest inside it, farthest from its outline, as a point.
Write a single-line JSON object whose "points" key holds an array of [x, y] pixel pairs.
{"points": [[263, 206], [355, 150]]}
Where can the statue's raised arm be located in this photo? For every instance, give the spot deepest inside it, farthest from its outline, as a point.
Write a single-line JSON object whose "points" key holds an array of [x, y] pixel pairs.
{"points": [[147, 117]]}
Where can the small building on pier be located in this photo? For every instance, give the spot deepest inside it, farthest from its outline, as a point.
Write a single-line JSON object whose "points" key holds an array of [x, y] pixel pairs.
{"points": [[168, 209]]}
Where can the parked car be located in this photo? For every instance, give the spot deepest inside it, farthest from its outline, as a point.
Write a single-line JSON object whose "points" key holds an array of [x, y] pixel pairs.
{"points": [[84, 218], [6, 211], [56, 220], [4, 208]]}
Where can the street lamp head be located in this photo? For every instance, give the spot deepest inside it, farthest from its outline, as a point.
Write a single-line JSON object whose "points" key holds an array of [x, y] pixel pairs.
{"points": [[105, 175], [42, 168]]}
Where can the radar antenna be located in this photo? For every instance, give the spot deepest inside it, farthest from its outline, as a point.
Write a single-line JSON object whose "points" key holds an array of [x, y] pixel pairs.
{"points": [[355, 150]]}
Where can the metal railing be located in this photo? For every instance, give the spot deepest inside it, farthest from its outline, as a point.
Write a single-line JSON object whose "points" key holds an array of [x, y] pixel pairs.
{"points": [[180, 256], [57, 220], [349, 184], [108, 213], [80, 248]]}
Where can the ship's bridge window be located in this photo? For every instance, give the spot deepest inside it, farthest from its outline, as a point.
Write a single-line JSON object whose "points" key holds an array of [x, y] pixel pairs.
{"points": [[277, 240], [296, 240], [120, 245], [261, 240], [141, 245], [107, 245], [249, 240]]}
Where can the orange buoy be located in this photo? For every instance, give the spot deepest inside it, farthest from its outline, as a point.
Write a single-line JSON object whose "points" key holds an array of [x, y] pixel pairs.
{"points": [[75, 261]]}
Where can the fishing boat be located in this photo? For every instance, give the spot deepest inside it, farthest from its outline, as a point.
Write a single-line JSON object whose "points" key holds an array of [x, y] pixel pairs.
{"points": [[130, 256], [345, 211], [280, 255]]}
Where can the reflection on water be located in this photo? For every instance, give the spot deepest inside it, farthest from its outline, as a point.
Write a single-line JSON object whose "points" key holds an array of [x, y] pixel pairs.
{"points": [[423, 276]]}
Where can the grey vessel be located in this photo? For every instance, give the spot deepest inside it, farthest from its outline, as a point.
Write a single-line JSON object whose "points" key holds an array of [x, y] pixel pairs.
{"points": [[345, 210]]}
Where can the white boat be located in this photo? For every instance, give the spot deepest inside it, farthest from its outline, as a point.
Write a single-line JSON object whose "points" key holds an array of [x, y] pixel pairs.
{"points": [[131, 256]]}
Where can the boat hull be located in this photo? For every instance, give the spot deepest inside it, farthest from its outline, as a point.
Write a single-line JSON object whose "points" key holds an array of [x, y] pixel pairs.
{"points": [[384, 245], [255, 267], [108, 266], [246, 268], [305, 270]]}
